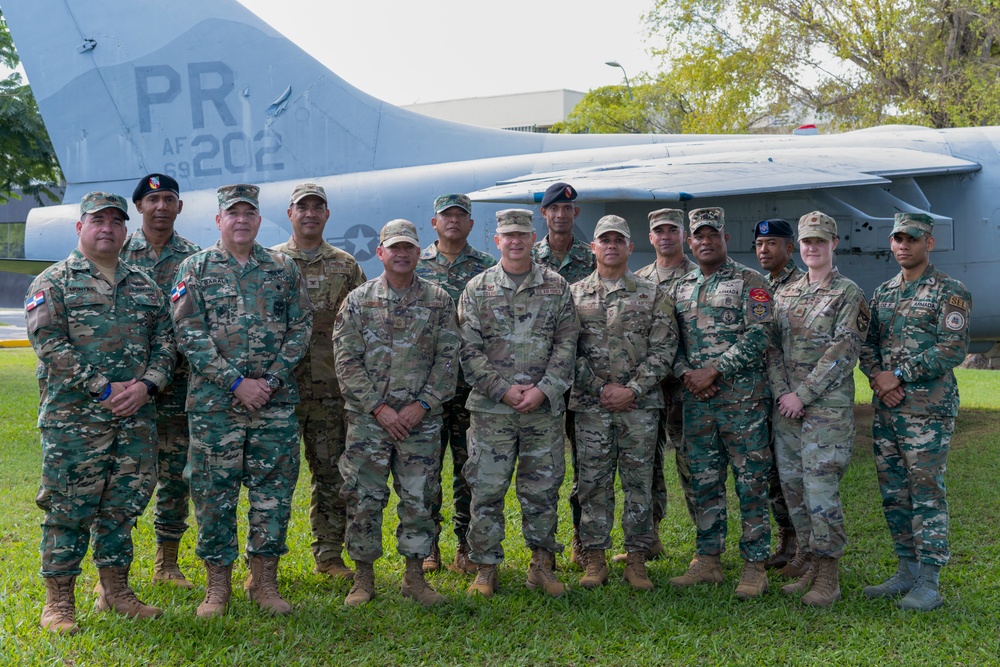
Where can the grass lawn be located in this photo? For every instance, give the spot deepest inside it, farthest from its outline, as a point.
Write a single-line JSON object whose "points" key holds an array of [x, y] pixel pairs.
{"points": [[609, 626]]}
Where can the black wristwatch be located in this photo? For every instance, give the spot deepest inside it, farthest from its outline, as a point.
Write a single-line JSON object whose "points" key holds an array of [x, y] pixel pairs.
{"points": [[272, 381], [151, 387]]}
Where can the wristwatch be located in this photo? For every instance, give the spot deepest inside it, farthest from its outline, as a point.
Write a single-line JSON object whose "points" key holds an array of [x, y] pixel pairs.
{"points": [[898, 372], [424, 405], [151, 387], [272, 382]]}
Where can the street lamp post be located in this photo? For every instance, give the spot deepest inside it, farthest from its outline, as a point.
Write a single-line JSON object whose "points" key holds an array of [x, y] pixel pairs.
{"points": [[615, 63]]}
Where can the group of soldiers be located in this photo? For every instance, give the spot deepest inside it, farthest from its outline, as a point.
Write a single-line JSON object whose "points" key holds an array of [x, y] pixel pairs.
{"points": [[196, 372]]}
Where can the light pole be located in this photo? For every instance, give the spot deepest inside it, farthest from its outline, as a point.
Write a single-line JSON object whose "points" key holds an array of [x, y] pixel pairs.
{"points": [[615, 63]]}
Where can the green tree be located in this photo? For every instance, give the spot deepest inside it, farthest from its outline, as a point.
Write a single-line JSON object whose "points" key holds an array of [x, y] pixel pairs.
{"points": [[27, 160], [649, 107]]}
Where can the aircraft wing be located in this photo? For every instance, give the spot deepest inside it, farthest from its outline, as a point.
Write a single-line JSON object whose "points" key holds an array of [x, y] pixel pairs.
{"points": [[673, 179]]}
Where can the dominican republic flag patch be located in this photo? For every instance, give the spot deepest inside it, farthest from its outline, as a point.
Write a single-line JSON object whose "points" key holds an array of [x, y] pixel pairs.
{"points": [[178, 291], [34, 302]]}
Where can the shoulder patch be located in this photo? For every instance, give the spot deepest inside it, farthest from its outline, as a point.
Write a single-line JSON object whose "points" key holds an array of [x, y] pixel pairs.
{"points": [[955, 321], [864, 319], [178, 291], [34, 301], [957, 302], [760, 295], [761, 311]]}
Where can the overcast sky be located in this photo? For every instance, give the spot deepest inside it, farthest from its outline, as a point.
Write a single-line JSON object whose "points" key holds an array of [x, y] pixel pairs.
{"points": [[407, 52]]}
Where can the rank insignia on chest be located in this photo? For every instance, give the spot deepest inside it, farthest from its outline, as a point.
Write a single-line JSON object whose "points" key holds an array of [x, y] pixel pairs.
{"points": [[312, 282], [178, 291], [34, 302]]}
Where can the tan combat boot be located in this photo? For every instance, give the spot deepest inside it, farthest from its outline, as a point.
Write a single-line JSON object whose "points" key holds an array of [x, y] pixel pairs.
{"points": [[753, 581], [334, 567], [116, 595], [702, 570], [218, 589], [433, 561], [595, 569], [540, 574], [416, 588], [486, 583], [165, 567], [462, 564], [59, 612], [656, 549], [263, 588], [802, 584], [826, 588], [576, 552], [797, 566], [363, 589], [635, 571], [787, 546]]}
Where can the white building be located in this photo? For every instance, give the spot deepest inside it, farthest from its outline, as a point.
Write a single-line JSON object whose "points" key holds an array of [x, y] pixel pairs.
{"points": [[526, 112]]}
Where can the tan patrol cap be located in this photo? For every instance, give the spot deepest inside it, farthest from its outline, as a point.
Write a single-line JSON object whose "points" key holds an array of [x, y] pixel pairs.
{"points": [[914, 224], [398, 231], [231, 194], [666, 216], [612, 223], [514, 220], [713, 216], [93, 202], [303, 190], [817, 225]]}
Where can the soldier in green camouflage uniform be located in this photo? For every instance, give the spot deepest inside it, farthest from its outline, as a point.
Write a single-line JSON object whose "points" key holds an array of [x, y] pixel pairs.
{"points": [[919, 333], [667, 236], [628, 339], [821, 319], [101, 330], [774, 244], [329, 274], [452, 262], [519, 333], [396, 345], [242, 318], [159, 250], [724, 313]]}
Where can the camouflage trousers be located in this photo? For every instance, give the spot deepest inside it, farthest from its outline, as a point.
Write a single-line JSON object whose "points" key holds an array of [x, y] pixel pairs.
{"points": [[97, 479], [260, 451], [911, 454], [172, 506], [606, 441], [455, 426], [321, 423], [813, 453], [535, 443], [671, 428], [720, 434], [415, 464]]}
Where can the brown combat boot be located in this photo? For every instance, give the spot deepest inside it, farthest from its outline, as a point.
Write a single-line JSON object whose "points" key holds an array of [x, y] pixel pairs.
{"points": [[595, 569], [787, 546], [702, 570], [797, 566], [540, 574], [753, 581], [416, 588], [59, 612], [433, 561], [656, 549], [263, 588], [462, 564], [165, 567], [218, 589], [826, 587], [802, 584], [487, 581], [363, 589], [334, 567], [635, 571], [576, 552], [116, 595]]}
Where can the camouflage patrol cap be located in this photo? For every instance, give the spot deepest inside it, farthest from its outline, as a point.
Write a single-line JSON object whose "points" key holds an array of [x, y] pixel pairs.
{"points": [[98, 201], [914, 224], [817, 225], [713, 216], [666, 216], [231, 194], [303, 190], [612, 223], [514, 220], [444, 202], [398, 231]]}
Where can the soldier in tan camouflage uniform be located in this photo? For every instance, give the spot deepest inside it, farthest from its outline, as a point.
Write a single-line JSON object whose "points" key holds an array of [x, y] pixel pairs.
{"points": [[519, 333], [396, 345], [452, 262], [774, 244], [329, 274], [242, 318], [101, 330], [158, 249], [821, 318], [724, 313], [628, 339], [919, 333]]}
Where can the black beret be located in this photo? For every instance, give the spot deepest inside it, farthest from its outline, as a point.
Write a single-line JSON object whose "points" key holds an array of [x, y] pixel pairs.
{"points": [[154, 183], [776, 227], [558, 192]]}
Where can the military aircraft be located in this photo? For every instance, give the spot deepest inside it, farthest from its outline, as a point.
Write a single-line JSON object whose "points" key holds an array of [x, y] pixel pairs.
{"points": [[213, 95]]}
